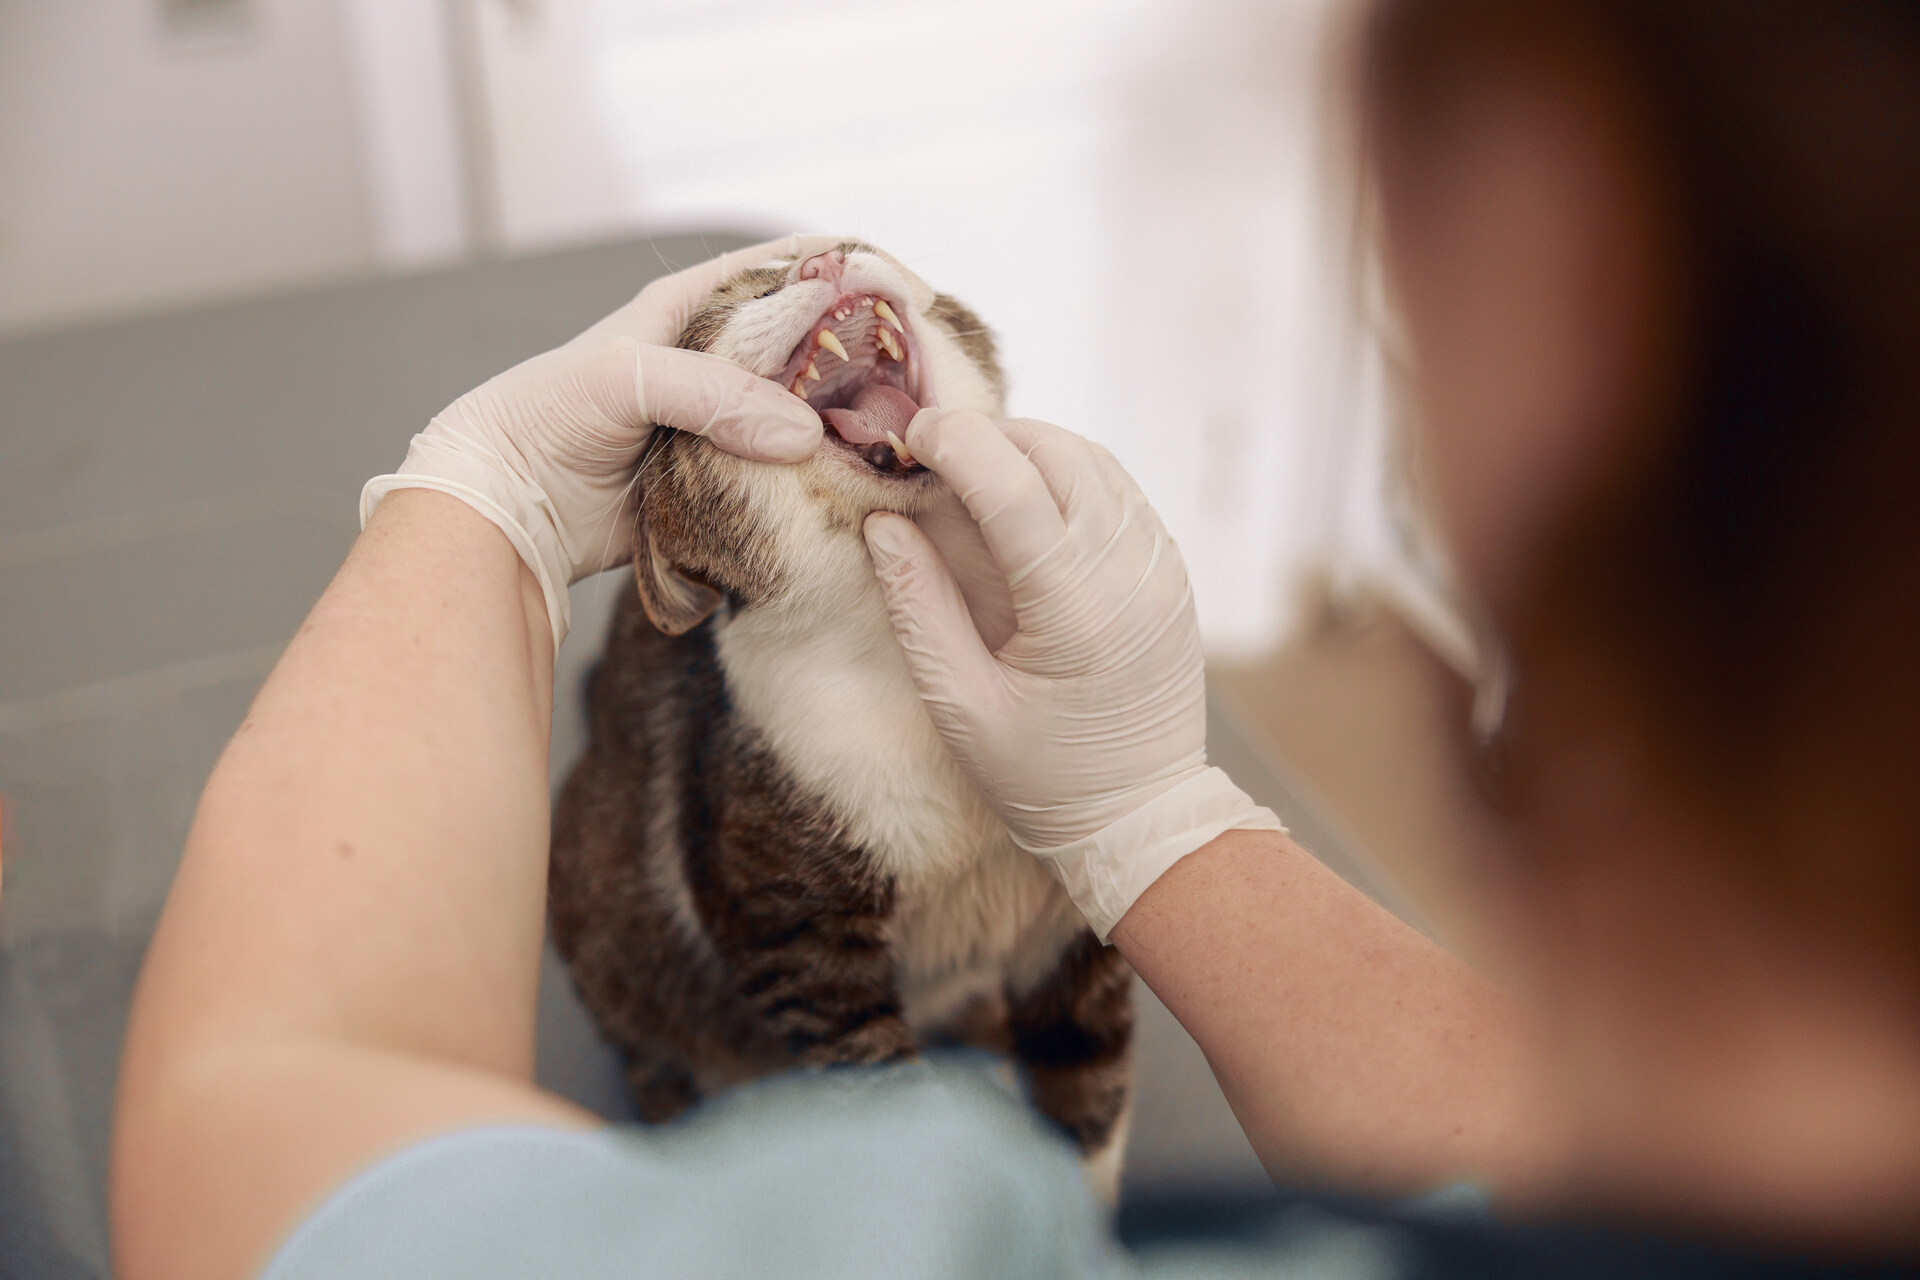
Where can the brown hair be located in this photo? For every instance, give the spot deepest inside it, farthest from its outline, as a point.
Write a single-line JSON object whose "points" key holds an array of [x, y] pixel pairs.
{"points": [[1738, 613]]}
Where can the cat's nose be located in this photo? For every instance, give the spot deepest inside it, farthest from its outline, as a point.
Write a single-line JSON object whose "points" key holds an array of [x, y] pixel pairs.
{"points": [[828, 266]]}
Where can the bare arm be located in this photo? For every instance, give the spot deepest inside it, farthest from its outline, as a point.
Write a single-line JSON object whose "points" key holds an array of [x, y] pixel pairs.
{"points": [[1352, 1049], [349, 957]]}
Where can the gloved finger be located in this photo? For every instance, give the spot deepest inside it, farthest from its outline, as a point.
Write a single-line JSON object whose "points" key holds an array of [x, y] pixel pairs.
{"points": [[1142, 521], [609, 394], [660, 311], [952, 669], [1001, 490], [1138, 529], [1117, 524], [958, 540], [1092, 505], [1118, 476], [1027, 431], [743, 414]]}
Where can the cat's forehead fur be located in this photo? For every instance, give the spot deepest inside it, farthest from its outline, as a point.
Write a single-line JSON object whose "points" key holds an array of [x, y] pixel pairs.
{"points": [[754, 531]]}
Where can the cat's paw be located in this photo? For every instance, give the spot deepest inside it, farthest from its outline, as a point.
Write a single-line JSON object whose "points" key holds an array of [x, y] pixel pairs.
{"points": [[661, 1090], [1101, 1167], [881, 1042]]}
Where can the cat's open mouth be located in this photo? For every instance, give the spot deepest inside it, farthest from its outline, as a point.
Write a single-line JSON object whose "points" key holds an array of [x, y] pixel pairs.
{"points": [[859, 366]]}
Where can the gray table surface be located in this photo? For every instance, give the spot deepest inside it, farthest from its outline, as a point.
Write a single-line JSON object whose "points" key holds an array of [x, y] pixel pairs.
{"points": [[174, 493]]}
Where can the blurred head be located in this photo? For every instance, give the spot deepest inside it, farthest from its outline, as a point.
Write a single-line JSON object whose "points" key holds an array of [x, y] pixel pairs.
{"points": [[1659, 261]]}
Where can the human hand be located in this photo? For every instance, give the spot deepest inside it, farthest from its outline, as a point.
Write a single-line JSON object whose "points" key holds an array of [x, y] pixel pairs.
{"points": [[546, 450], [1087, 729]]}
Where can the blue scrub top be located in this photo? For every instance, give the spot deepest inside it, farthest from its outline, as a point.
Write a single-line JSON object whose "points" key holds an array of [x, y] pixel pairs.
{"points": [[910, 1173]]}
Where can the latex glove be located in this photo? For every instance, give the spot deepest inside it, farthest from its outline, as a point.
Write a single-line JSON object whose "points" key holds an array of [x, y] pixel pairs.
{"points": [[547, 449], [1087, 729]]}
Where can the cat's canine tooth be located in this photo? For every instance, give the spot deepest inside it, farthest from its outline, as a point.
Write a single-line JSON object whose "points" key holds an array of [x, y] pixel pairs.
{"points": [[832, 343], [885, 312], [899, 448], [810, 373], [799, 386], [888, 343]]}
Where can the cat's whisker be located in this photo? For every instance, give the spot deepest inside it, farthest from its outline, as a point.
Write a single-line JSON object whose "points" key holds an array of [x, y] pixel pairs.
{"points": [[611, 512]]}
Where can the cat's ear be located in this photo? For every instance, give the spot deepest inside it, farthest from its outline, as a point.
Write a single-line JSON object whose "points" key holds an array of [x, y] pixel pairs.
{"points": [[675, 602]]}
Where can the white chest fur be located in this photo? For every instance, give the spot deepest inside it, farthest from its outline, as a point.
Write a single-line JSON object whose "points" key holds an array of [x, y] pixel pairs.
{"points": [[821, 677]]}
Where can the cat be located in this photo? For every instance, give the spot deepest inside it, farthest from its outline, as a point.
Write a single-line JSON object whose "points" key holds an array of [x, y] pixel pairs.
{"points": [[767, 858]]}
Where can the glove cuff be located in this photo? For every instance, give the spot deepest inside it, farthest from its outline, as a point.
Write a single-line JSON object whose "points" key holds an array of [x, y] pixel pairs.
{"points": [[1106, 872], [460, 468]]}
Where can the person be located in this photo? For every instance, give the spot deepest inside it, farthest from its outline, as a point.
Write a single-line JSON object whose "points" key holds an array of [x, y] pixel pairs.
{"points": [[1659, 285]]}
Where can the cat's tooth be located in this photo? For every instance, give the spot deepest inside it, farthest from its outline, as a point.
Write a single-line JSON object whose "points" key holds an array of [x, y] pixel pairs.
{"points": [[843, 313], [832, 343], [810, 373], [888, 343], [899, 448], [799, 386], [885, 312]]}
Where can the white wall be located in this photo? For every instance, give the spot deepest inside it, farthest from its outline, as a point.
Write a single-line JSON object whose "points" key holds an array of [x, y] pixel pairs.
{"points": [[1225, 323], [552, 174], [1131, 192], [140, 169], [414, 149]]}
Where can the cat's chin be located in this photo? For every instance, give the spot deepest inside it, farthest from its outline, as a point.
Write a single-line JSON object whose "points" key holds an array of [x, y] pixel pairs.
{"points": [[883, 457]]}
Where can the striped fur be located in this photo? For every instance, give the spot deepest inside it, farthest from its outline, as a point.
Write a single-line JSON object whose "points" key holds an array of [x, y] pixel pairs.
{"points": [[767, 858]]}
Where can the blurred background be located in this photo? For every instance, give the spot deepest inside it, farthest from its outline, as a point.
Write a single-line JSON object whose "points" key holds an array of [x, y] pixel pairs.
{"points": [[247, 247], [1133, 192]]}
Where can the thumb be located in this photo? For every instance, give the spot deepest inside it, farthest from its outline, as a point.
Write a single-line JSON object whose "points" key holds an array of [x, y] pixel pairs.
{"points": [[716, 398], [594, 402], [952, 669]]}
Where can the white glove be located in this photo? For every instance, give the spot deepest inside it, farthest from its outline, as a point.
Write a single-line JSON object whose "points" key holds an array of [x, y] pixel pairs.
{"points": [[1087, 730], [546, 450]]}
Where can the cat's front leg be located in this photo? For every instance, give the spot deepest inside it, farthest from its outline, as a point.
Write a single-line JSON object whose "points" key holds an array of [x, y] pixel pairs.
{"points": [[811, 960], [1073, 1038], [826, 986]]}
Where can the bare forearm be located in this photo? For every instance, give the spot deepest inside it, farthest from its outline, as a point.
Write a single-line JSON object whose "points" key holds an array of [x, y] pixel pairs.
{"points": [[350, 953], [1353, 1050], [382, 810]]}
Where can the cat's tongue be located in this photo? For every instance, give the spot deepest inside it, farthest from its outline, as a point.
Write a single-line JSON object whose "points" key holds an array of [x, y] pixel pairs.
{"points": [[877, 410]]}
